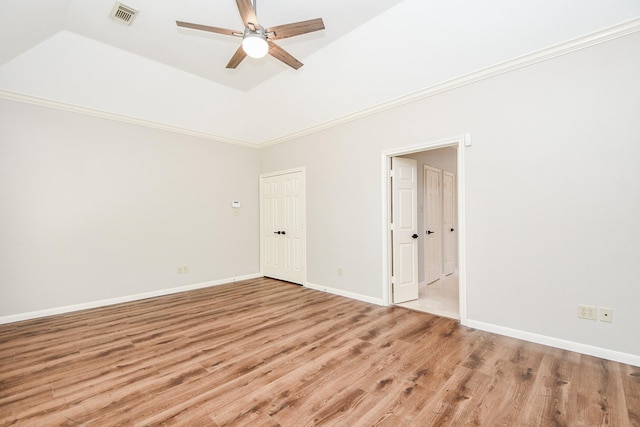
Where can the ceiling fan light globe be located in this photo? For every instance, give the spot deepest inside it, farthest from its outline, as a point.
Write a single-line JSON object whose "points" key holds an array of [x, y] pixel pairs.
{"points": [[255, 45]]}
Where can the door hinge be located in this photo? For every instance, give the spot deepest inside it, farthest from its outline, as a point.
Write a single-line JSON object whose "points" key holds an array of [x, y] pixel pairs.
{"points": [[390, 173]]}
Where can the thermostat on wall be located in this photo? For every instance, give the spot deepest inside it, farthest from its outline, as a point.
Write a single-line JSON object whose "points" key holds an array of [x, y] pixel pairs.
{"points": [[235, 204]]}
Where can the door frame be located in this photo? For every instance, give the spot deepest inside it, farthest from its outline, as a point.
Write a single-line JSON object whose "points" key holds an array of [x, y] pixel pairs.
{"points": [[459, 143], [302, 170]]}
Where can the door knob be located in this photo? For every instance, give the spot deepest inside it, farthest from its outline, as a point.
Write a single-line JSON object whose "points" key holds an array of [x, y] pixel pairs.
{"points": [[415, 236], [283, 232], [453, 229], [431, 232], [276, 232]]}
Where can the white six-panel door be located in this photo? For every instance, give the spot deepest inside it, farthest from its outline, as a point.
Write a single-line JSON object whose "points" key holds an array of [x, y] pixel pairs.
{"points": [[432, 223], [448, 221], [283, 235], [404, 229]]}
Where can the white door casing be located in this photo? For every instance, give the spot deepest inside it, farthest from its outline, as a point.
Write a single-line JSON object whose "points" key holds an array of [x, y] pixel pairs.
{"points": [[283, 219], [432, 223], [459, 142], [404, 229], [448, 222]]}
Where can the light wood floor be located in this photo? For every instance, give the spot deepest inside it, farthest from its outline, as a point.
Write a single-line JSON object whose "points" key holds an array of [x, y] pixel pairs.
{"points": [[264, 352]]}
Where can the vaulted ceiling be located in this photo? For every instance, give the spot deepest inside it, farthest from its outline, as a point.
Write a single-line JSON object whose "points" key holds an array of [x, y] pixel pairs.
{"points": [[70, 54]]}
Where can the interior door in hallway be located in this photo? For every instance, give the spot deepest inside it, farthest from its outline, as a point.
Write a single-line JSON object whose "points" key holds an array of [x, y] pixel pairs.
{"points": [[432, 223], [448, 222], [404, 230], [283, 219]]}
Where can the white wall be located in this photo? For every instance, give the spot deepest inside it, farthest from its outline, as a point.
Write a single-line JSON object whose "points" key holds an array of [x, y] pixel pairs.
{"points": [[552, 205], [92, 209]]}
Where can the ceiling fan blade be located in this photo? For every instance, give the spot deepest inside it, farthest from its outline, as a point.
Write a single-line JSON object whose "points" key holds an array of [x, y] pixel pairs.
{"points": [[208, 28], [237, 58], [294, 29], [248, 14], [284, 56]]}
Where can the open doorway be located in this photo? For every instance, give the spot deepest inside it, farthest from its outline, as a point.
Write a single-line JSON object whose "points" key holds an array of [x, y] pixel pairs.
{"points": [[441, 278], [438, 289]]}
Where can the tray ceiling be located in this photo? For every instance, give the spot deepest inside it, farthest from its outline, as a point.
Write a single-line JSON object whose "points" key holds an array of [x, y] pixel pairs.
{"points": [[70, 52]]}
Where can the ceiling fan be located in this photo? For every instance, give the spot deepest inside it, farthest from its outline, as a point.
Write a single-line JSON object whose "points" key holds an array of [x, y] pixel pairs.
{"points": [[257, 41]]}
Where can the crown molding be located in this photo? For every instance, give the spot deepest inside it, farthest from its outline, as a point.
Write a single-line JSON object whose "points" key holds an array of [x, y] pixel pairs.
{"points": [[602, 36], [59, 105]]}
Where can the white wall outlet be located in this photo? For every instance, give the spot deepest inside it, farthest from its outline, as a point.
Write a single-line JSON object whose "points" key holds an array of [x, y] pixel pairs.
{"points": [[606, 314], [339, 271], [587, 312], [182, 269]]}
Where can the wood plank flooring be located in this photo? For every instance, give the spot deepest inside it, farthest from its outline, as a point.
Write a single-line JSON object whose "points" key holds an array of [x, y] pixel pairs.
{"points": [[268, 353]]}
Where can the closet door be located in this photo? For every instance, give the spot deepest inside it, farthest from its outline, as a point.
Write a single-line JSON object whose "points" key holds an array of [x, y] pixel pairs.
{"points": [[283, 218], [448, 221], [432, 223]]}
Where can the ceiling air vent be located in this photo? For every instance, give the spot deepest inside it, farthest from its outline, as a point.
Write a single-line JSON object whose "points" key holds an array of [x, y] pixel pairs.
{"points": [[123, 13]]}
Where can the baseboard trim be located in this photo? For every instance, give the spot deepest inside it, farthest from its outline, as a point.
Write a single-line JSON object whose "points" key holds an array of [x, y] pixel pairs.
{"points": [[616, 356], [119, 300], [343, 293], [603, 353]]}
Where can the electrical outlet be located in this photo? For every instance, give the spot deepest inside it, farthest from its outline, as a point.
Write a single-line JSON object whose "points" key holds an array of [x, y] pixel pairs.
{"points": [[587, 312], [339, 271], [606, 314], [182, 269]]}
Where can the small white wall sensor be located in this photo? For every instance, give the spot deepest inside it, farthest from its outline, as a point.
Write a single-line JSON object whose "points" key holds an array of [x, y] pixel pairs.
{"points": [[467, 140]]}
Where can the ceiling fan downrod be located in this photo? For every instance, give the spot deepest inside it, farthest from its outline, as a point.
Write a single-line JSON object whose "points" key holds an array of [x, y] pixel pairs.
{"points": [[254, 40]]}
